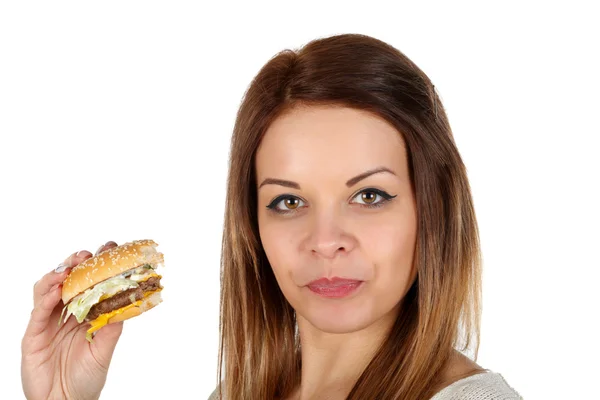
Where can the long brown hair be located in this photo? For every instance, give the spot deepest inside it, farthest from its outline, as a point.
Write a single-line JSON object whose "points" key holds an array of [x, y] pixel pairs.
{"points": [[259, 348]]}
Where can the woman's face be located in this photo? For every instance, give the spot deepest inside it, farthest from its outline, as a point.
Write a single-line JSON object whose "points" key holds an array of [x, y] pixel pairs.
{"points": [[335, 200]]}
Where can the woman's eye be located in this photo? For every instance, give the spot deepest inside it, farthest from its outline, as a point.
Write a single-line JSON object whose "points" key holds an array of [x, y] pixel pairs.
{"points": [[372, 197], [368, 198], [285, 203]]}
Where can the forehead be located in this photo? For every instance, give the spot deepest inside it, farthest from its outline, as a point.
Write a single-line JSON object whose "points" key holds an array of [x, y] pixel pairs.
{"points": [[327, 138]]}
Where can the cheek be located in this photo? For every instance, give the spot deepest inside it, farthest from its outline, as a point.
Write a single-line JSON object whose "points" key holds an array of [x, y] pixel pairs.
{"points": [[389, 246], [278, 240]]}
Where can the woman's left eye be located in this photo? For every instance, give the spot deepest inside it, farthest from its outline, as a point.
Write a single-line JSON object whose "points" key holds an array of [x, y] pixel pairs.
{"points": [[372, 197], [285, 204]]}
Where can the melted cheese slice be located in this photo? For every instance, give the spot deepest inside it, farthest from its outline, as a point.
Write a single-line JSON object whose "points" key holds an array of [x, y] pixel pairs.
{"points": [[103, 319], [146, 277]]}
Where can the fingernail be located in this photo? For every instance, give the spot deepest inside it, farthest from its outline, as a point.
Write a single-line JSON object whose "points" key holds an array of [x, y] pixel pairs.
{"points": [[61, 268]]}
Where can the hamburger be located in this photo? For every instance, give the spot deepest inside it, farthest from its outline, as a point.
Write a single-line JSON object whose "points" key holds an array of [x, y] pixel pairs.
{"points": [[115, 285]]}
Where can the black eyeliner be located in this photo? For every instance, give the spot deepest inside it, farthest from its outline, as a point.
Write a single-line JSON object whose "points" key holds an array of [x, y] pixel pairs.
{"points": [[383, 194], [278, 199]]}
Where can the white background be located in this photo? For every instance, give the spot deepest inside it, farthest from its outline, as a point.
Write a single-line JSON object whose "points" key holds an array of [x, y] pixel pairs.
{"points": [[115, 119]]}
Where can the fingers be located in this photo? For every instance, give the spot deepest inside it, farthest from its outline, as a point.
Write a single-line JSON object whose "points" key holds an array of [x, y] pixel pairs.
{"points": [[105, 341], [48, 281], [40, 316], [48, 290], [47, 293], [105, 247]]}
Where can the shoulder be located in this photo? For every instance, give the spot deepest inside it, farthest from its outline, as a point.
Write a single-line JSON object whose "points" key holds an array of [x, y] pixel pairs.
{"points": [[214, 395], [488, 385]]}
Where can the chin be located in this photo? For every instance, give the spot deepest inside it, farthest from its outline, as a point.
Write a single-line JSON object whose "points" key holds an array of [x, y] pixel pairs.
{"points": [[338, 326], [333, 316]]}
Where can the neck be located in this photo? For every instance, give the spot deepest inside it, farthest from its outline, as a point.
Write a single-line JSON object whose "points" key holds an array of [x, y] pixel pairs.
{"points": [[333, 362]]}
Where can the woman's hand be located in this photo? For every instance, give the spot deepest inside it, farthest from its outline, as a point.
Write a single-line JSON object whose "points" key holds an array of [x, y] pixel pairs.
{"points": [[57, 361]]}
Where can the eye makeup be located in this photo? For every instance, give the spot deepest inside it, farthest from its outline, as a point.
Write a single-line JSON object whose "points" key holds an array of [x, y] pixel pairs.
{"points": [[294, 201]]}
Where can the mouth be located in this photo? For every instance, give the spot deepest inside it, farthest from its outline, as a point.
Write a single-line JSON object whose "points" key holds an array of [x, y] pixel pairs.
{"points": [[334, 288]]}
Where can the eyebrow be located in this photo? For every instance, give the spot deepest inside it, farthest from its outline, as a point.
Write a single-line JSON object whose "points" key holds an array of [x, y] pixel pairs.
{"points": [[351, 182]]}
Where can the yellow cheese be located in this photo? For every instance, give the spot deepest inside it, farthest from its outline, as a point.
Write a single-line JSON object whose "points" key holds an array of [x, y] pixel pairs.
{"points": [[103, 319], [103, 297], [145, 278]]}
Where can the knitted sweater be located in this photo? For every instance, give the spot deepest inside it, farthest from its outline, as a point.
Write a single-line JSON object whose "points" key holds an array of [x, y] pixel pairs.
{"points": [[484, 386], [487, 385]]}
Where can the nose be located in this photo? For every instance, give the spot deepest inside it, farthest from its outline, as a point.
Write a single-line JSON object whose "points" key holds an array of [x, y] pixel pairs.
{"points": [[327, 238]]}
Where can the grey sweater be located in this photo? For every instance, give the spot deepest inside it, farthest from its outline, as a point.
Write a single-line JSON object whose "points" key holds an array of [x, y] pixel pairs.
{"points": [[484, 386]]}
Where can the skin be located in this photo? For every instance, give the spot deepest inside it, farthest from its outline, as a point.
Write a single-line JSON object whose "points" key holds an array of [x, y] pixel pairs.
{"points": [[58, 362], [329, 230]]}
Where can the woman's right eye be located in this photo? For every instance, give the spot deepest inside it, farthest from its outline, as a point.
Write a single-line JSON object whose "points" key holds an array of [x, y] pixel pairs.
{"points": [[285, 204]]}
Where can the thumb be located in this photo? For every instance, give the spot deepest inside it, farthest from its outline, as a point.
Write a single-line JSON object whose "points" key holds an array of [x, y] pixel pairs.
{"points": [[105, 341]]}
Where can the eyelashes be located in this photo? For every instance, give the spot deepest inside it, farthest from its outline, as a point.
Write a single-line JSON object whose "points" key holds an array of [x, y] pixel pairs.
{"points": [[290, 204], [368, 198]]}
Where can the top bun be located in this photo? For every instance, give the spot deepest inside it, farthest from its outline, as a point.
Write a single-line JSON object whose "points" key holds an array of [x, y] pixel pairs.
{"points": [[109, 263]]}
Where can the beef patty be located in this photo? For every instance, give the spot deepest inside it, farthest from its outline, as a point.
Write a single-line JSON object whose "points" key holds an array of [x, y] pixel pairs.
{"points": [[124, 298]]}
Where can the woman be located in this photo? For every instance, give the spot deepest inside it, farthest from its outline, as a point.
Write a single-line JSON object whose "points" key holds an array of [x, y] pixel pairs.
{"points": [[350, 259]]}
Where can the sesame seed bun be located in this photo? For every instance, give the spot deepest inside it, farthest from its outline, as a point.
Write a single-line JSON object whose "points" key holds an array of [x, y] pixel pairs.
{"points": [[110, 263]]}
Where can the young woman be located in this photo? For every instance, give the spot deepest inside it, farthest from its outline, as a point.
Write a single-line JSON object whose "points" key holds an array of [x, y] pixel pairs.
{"points": [[350, 260]]}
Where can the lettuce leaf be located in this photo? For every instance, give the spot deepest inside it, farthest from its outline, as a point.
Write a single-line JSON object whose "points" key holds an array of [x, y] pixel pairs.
{"points": [[80, 305]]}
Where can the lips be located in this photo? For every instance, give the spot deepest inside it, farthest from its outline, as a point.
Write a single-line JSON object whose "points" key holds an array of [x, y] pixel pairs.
{"points": [[334, 287], [333, 282]]}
